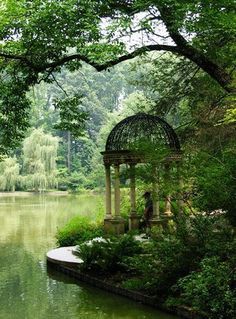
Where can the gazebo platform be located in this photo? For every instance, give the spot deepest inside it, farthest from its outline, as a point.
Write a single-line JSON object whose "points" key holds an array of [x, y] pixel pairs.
{"points": [[64, 256]]}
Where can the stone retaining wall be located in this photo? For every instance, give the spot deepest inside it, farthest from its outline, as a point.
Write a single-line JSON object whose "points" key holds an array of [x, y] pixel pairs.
{"points": [[73, 271]]}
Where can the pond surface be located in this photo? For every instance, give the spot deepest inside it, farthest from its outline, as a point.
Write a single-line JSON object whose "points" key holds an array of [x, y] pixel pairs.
{"points": [[27, 291]]}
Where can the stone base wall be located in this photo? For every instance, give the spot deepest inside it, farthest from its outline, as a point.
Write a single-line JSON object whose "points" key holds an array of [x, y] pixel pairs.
{"points": [[114, 226], [72, 271]]}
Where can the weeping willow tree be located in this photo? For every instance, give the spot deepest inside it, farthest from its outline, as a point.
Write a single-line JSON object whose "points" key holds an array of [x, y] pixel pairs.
{"points": [[39, 156], [9, 174]]}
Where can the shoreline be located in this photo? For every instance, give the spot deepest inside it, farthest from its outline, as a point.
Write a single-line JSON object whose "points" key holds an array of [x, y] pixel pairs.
{"points": [[27, 193], [72, 271], [52, 192]]}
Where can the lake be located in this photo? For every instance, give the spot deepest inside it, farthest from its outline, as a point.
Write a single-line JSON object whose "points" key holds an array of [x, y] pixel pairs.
{"points": [[27, 290]]}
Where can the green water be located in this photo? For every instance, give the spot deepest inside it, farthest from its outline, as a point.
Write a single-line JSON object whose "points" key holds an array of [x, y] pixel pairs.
{"points": [[27, 289]]}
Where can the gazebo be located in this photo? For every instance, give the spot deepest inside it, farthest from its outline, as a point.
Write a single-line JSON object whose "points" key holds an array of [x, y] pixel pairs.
{"points": [[126, 144]]}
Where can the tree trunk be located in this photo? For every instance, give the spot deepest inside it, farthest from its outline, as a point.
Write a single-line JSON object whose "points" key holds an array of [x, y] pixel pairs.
{"points": [[214, 70], [193, 54]]}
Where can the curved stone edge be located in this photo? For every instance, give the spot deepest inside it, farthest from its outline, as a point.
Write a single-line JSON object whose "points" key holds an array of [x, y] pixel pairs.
{"points": [[182, 312], [63, 255]]}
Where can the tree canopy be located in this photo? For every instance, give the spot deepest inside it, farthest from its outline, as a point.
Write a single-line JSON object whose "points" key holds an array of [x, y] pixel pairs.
{"points": [[38, 37], [39, 154]]}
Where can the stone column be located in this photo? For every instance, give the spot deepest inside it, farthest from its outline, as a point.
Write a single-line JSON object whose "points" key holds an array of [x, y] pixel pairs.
{"points": [[133, 218], [168, 196], [117, 190], [108, 192], [117, 223], [168, 205], [113, 224]]}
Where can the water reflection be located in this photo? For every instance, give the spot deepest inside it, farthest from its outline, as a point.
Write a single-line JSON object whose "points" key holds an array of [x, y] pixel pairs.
{"points": [[28, 226], [33, 220]]}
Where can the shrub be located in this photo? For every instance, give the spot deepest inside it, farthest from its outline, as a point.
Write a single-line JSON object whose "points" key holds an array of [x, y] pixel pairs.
{"points": [[106, 255], [215, 181], [160, 264], [78, 230], [172, 255], [209, 290], [134, 284]]}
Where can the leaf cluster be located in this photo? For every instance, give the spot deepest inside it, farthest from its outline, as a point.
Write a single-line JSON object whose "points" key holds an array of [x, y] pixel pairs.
{"points": [[72, 117], [77, 231], [106, 255]]}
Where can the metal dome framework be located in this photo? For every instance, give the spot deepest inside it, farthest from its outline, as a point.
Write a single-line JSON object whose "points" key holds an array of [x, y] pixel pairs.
{"points": [[126, 140], [124, 145], [148, 128]]}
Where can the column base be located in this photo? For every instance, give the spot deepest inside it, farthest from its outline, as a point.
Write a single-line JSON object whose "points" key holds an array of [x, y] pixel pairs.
{"points": [[168, 214], [114, 226], [133, 221], [155, 222], [167, 221]]}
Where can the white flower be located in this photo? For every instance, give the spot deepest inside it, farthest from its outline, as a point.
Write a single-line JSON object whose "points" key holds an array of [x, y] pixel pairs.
{"points": [[99, 240], [141, 237]]}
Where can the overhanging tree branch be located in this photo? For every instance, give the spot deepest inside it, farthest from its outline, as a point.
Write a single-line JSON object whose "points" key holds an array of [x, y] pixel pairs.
{"points": [[193, 54], [99, 67], [214, 70]]}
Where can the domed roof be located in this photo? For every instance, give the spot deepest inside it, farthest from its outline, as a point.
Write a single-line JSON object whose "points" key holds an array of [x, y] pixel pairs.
{"points": [[139, 129]]}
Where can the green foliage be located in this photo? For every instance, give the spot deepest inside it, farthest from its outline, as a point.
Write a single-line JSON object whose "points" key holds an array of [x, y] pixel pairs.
{"points": [[137, 102], [160, 265], [14, 104], [43, 41], [230, 116], [72, 118], [78, 230], [209, 290], [9, 174], [215, 182], [134, 284], [90, 96], [173, 255], [75, 181], [106, 255], [33, 47], [39, 156], [62, 179]]}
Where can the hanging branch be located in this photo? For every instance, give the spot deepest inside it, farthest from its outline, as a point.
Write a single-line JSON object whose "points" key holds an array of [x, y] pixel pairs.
{"points": [[59, 85]]}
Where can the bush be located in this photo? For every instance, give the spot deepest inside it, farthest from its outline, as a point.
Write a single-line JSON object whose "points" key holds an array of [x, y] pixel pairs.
{"points": [[190, 264], [209, 290], [78, 230], [106, 255], [215, 181], [173, 255], [76, 181], [73, 182], [160, 264]]}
